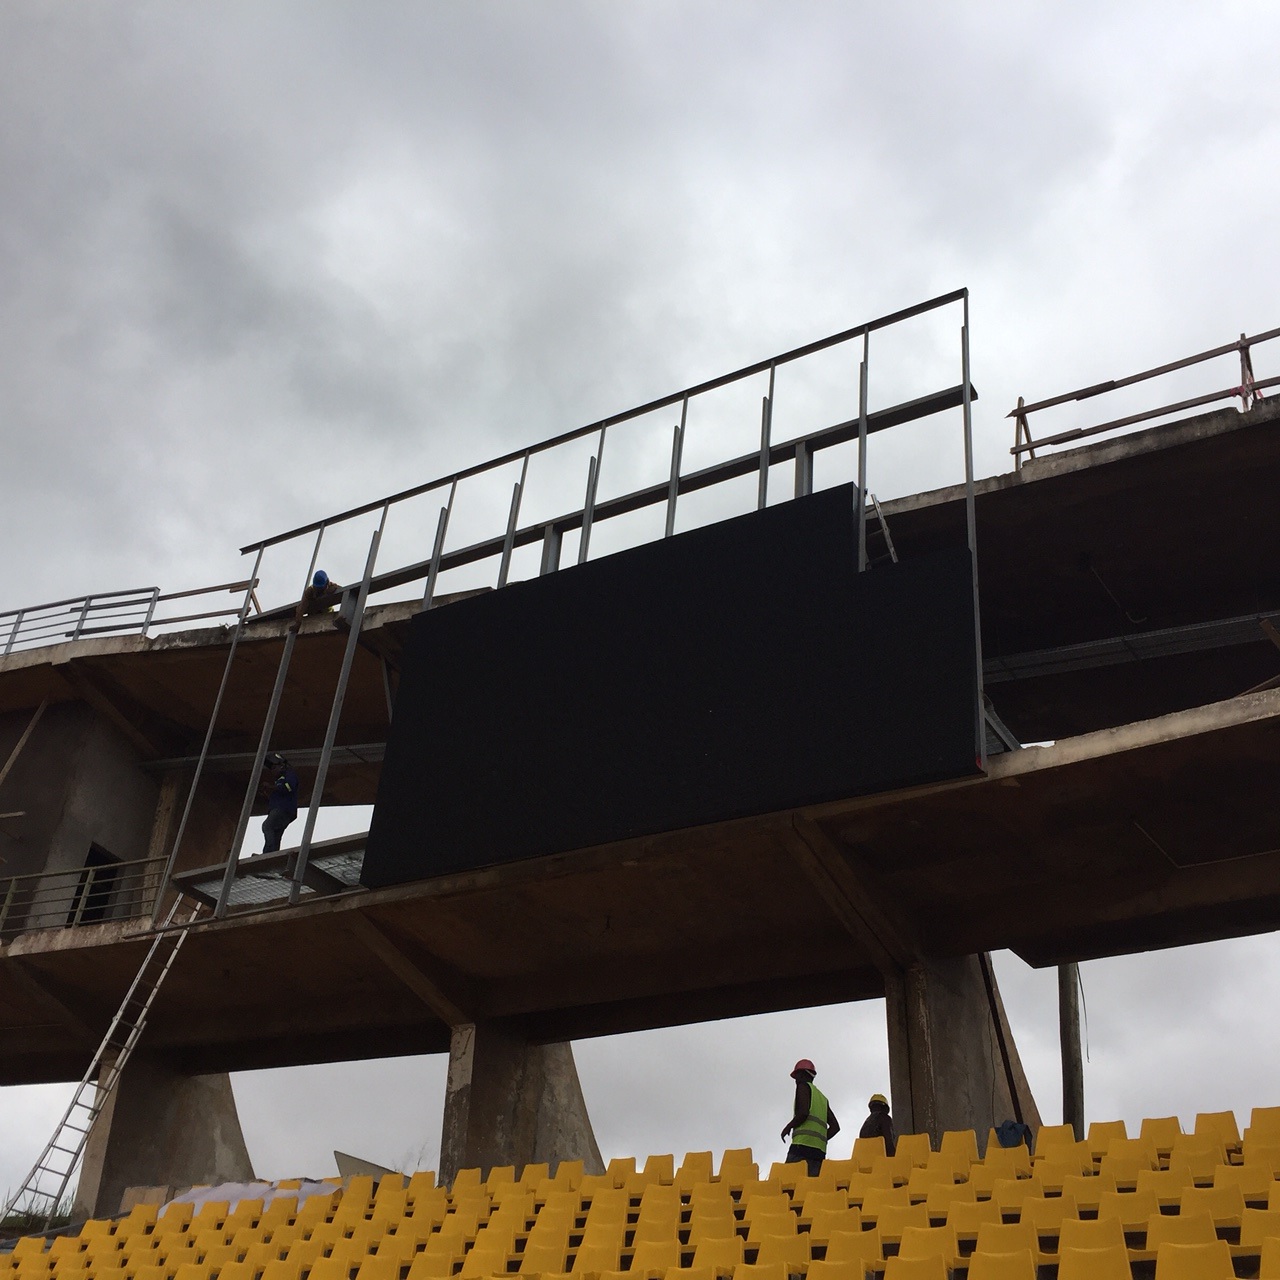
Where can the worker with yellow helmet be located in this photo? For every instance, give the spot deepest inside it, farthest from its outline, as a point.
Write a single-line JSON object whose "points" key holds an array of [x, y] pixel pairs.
{"points": [[879, 1123]]}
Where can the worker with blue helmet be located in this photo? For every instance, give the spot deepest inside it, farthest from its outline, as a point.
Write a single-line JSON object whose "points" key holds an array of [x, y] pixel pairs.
{"points": [[321, 596]]}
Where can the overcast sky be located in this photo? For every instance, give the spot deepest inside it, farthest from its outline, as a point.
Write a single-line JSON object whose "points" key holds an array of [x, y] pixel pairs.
{"points": [[263, 261]]}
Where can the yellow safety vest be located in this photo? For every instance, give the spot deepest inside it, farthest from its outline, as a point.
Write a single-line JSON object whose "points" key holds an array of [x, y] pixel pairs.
{"points": [[813, 1132]]}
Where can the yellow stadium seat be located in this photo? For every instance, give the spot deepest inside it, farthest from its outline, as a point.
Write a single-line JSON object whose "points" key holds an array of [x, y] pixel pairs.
{"points": [[866, 1150], [893, 1219], [1257, 1224], [185, 1271], [653, 1257], [760, 1271], [849, 1246], [1224, 1204], [825, 1222], [542, 1255], [151, 1271], [321, 1269], [1090, 1233], [915, 1147], [660, 1169], [1132, 1208], [879, 1197], [697, 1273], [1167, 1185], [1017, 1265], [375, 1268], [1052, 1136], [890, 1171], [764, 1202], [1179, 1229], [968, 1217], [792, 1251], [428, 1265], [1007, 1162], [820, 1197], [735, 1159], [29, 1247], [944, 1195], [1219, 1125], [1253, 1181], [1108, 1263], [1209, 1260], [1206, 1144], [1088, 1191], [1162, 1132], [595, 1256], [725, 1252], [1102, 1133], [930, 1242], [933, 1268], [960, 1142], [1008, 1237], [1269, 1264], [834, 1173], [781, 1223], [1266, 1155], [921, 1180], [1009, 1193], [239, 1271], [694, 1168], [569, 1173], [1046, 1213], [1199, 1166], [853, 1269]]}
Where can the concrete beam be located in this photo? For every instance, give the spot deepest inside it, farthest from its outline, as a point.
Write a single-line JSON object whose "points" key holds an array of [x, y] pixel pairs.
{"points": [[425, 986], [508, 1102]]}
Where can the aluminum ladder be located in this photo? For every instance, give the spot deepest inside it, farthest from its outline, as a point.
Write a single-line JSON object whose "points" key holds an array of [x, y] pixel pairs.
{"points": [[44, 1188], [876, 526]]}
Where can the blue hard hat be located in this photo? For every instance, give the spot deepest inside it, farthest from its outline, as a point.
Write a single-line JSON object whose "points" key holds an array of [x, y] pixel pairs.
{"points": [[321, 580]]}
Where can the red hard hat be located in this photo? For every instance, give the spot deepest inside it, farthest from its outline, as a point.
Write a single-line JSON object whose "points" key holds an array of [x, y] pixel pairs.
{"points": [[803, 1065]]}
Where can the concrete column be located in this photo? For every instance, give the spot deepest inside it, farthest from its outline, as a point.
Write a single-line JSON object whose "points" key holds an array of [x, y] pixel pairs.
{"points": [[509, 1102], [952, 1060], [1072, 1058], [161, 1128]]}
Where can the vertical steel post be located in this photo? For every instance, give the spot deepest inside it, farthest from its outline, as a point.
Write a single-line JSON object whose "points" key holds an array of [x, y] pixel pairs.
{"points": [[84, 613], [589, 506], [804, 469], [551, 538], [151, 609], [1069, 1039], [971, 524], [241, 618], [335, 713], [442, 528], [255, 775], [860, 497], [677, 454], [13, 631], [509, 542], [766, 433]]}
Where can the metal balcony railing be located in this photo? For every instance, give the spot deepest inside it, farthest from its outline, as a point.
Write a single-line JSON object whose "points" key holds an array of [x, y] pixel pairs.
{"points": [[85, 895], [119, 613], [1249, 391]]}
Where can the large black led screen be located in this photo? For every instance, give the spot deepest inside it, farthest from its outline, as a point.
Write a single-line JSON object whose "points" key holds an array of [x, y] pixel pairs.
{"points": [[738, 669]]}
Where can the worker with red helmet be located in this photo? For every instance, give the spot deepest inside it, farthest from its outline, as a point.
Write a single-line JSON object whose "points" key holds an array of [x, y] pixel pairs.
{"points": [[814, 1124]]}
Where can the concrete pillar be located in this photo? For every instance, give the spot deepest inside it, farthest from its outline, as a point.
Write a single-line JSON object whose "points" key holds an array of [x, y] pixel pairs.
{"points": [[161, 1128], [509, 1102], [1072, 1058], [952, 1060]]}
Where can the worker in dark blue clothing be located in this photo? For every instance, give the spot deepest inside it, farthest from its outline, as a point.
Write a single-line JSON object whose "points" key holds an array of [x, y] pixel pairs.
{"points": [[281, 785]]}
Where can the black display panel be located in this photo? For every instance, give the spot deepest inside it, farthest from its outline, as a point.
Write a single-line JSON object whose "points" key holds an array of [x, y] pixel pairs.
{"points": [[739, 669]]}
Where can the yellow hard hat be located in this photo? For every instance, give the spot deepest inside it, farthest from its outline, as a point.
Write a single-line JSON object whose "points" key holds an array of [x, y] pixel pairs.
{"points": [[878, 1097]]}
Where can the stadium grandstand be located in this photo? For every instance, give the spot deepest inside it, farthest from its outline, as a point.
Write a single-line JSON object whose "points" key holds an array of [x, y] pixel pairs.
{"points": [[821, 700]]}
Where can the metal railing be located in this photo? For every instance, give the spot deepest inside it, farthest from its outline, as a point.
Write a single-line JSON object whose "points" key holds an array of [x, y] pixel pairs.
{"points": [[104, 613], [1249, 392], [86, 895]]}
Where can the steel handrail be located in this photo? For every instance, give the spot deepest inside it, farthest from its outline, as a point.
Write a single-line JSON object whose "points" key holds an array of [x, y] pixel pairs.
{"points": [[1249, 392], [125, 891]]}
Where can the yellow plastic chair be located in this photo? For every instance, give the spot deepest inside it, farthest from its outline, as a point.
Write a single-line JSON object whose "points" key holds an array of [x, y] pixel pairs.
{"points": [[826, 1222], [1221, 1126], [858, 1247], [1047, 1214], [375, 1268], [1101, 1135], [1224, 1204], [1007, 1162], [944, 1196], [1090, 1234], [816, 1198], [1051, 1136], [878, 1198], [694, 1168], [781, 1222], [1017, 1265], [898, 1268], [1162, 1132], [853, 1269], [967, 1217], [1088, 1191], [726, 1253], [542, 1255], [791, 1251], [915, 1148], [960, 1142], [428, 1265], [1009, 1193], [930, 1242], [1167, 1185], [1269, 1264], [734, 1161], [1210, 1260], [1110, 1263], [1257, 1224], [867, 1150], [893, 1219], [1008, 1237], [1132, 1208], [595, 1256], [760, 1271], [654, 1257], [1166, 1228]]}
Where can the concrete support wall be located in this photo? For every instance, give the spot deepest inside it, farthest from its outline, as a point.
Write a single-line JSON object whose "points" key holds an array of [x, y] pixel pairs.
{"points": [[952, 1060], [508, 1102], [161, 1128]]}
